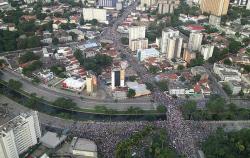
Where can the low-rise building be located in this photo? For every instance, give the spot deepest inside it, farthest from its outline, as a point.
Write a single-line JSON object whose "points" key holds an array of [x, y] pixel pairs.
{"points": [[83, 147], [176, 88], [46, 76], [74, 83], [235, 87], [52, 140], [147, 53], [140, 89], [227, 73]]}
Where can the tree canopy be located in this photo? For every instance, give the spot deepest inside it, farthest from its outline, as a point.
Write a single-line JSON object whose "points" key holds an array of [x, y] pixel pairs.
{"points": [[230, 145]]}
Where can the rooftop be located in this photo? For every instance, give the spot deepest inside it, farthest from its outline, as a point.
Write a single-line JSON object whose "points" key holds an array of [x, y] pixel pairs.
{"points": [[83, 144]]}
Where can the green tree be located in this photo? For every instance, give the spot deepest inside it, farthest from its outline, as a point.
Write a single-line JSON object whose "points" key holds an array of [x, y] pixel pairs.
{"points": [[234, 46], [161, 109], [154, 69], [189, 109], [124, 40], [131, 93], [65, 103], [14, 84], [227, 62], [216, 105], [55, 41]]}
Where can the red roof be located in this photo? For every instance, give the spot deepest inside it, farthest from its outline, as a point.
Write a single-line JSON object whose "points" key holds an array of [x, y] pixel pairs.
{"points": [[197, 88], [196, 27]]}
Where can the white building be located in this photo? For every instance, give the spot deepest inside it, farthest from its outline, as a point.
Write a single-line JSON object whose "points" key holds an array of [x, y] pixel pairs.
{"points": [[140, 89], [207, 51], [195, 40], [174, 46], [176, 88], [94, 13], [74, 83], [30, 1], [248, 5], [146, 53], [140, 43], [227, 73], [167, 6], [52, 140], [171, 43], [136, 32], [145, 4], [19, 134], [107, 3], [83, 147], [117, 77], [235, 86], [240, 2]]}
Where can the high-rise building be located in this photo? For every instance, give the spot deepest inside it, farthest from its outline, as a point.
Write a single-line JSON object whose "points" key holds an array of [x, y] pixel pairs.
{"points": [[214, 20], [118, 78], [136, 33], [145, 4], [94, 13], [19, 134], [166, 33], [215, 7], [207, 51], [188, 55], [171, 43], [167, 6], [118, 75], [141, 43], [248, 5], [91, 82], [107, 3], [240, 2], [195, 40]]}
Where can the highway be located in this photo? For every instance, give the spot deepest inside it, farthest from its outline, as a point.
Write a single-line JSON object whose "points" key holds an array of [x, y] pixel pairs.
{"points": [[51, 94]]}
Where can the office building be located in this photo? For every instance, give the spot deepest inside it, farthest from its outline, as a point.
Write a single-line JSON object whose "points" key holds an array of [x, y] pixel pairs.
{"points": [[91, 82], [248, 5], [240, 2], [166, 33], [117, 77], [235, 87], [147, 53], [214, 20], [141, 43], [137, 33], [94, 13], [118, 6], [171, 43], [195, 40], [188, 55], [19, 134], [174, 46], [207, 51], [30, 1], [145, 4], [167, 6], [227, 73], [215, 7], [107, 3]]}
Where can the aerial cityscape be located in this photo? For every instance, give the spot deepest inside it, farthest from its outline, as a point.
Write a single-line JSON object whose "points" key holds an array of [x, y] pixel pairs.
{"points": [[124, 78]]}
